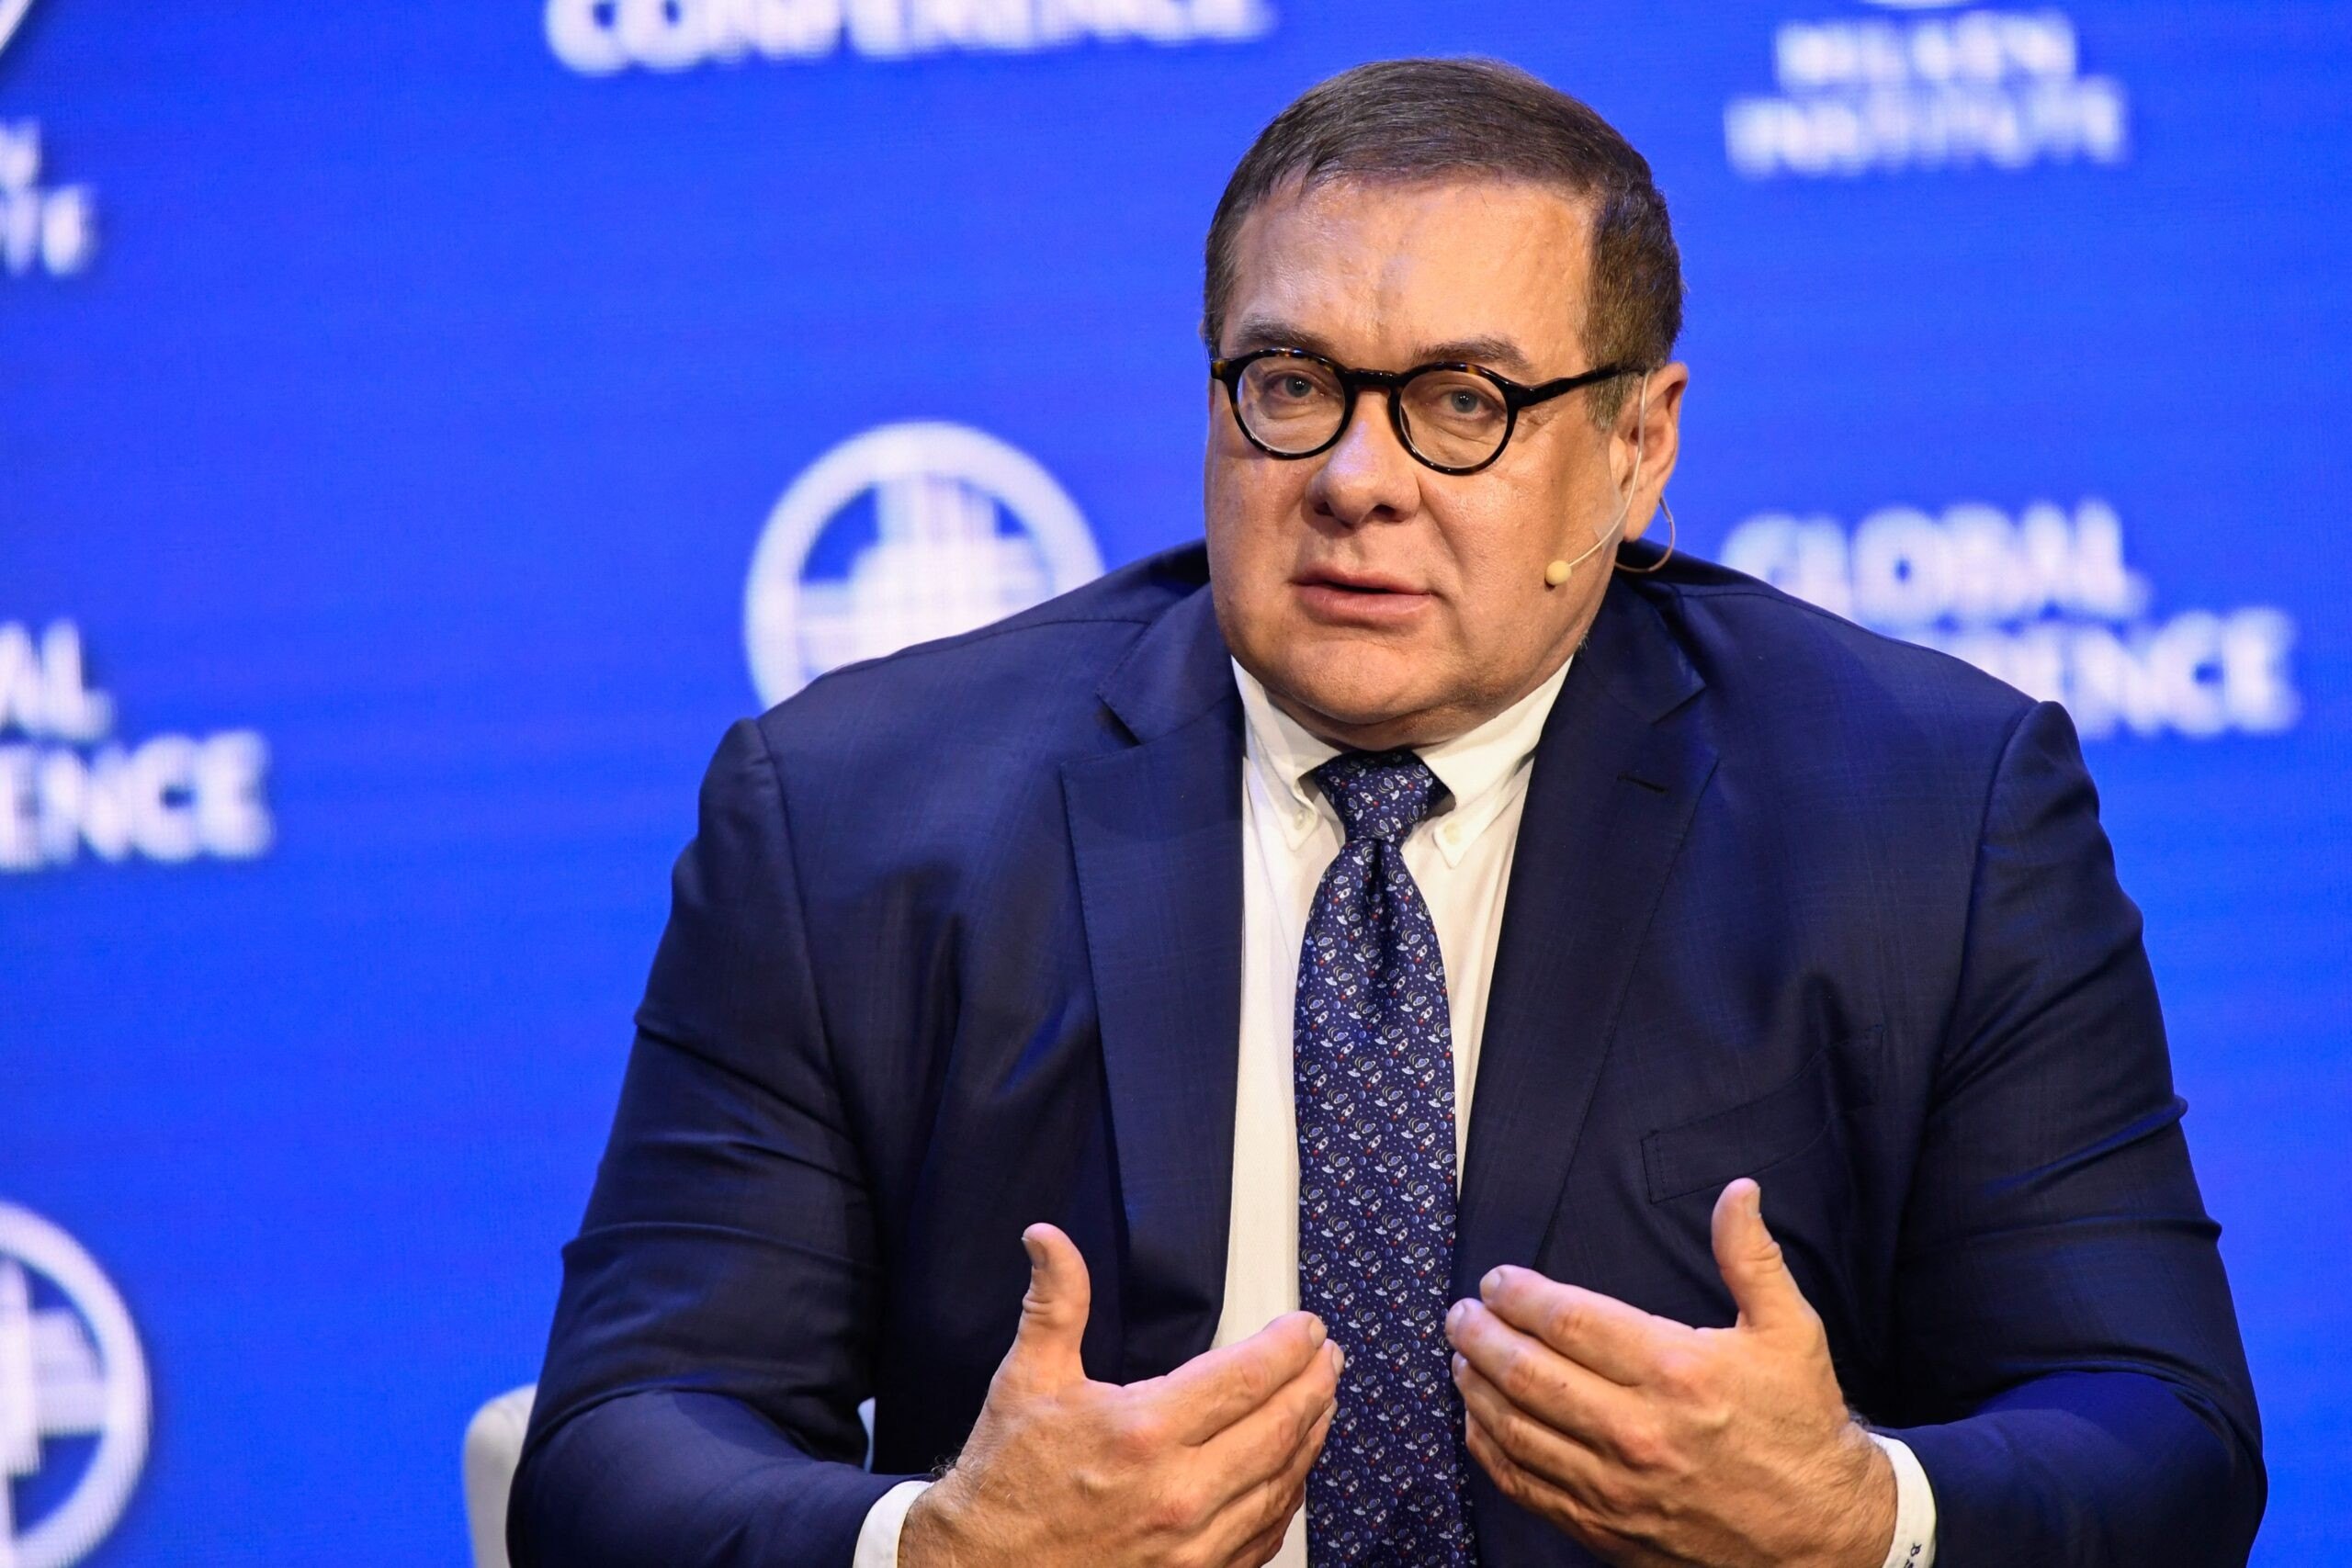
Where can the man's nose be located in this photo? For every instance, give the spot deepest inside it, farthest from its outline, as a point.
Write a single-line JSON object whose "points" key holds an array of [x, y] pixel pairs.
{"points": [[1368, 477]]}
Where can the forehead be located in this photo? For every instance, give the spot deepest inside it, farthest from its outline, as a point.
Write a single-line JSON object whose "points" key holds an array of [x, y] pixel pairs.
{"points": [[1382, 272]]}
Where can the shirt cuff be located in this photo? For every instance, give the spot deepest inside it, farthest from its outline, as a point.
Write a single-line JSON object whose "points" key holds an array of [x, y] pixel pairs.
{"points": [[878, 1539], [1915, 1510]]}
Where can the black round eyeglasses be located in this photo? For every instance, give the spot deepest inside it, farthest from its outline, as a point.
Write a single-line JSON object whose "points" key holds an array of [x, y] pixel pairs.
{"points": [[1455, 417]]}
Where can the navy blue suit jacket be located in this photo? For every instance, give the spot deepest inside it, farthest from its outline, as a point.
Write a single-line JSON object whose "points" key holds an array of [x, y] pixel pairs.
{"points": [[958, 948]]}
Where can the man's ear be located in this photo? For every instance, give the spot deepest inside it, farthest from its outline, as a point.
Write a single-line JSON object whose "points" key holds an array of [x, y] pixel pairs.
{"points": [[1649, 428]]}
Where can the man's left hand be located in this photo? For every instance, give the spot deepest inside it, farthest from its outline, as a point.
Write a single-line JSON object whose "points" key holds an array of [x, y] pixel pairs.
{"points": [[1652, 1442]]}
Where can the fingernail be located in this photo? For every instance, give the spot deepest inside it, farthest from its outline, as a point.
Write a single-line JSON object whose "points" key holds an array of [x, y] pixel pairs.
{"points": [[1460, 1366], [1339, 1357], [1491, 1283], [1321, 1332], [1034, 1249], [1454, 1315]]}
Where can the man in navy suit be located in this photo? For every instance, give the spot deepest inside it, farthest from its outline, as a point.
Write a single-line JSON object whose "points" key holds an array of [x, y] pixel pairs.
{"points": [[1386, 967]]}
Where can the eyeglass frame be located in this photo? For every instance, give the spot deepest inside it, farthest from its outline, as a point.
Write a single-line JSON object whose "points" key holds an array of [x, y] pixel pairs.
{"points": [[1354, 384]]}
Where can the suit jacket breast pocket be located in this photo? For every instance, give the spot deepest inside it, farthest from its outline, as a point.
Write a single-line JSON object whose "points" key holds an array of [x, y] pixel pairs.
{"points": [[1777, 1126]]}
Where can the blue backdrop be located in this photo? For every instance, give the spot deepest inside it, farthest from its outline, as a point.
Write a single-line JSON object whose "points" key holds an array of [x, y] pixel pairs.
{"points": [[395, 400]]}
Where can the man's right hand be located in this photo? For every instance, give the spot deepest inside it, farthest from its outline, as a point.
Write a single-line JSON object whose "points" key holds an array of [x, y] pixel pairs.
{"points": [[1200, 1469]]}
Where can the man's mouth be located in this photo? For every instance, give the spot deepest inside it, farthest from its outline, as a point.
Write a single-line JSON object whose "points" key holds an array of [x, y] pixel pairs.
{"points": [[1356, 583], [1358, 598]]}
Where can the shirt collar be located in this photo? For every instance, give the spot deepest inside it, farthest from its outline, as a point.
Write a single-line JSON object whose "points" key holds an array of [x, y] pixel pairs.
{"points": [[1474, 766]]}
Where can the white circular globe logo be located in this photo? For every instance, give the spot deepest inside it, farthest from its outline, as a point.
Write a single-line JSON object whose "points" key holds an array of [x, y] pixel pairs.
{"points": [[73, 1398], [906, 533]]}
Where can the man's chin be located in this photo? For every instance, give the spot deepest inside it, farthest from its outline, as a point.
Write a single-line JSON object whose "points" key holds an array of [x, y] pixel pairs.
{"points": [[1354, 705]]}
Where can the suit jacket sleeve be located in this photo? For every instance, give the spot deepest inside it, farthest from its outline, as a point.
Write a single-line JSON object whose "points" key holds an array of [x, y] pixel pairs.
{"points": [[2064, 1329], [711, 1344]]}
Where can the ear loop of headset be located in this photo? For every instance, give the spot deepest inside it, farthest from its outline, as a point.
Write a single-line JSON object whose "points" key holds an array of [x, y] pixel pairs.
{"points": [[1559, 572]]}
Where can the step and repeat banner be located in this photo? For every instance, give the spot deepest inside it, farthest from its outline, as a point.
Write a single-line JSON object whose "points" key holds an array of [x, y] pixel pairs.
{"points": [[424, 426]]}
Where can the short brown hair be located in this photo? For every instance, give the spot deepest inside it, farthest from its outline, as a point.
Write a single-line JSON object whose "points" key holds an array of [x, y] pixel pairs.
{"points": [[1403, 120]]}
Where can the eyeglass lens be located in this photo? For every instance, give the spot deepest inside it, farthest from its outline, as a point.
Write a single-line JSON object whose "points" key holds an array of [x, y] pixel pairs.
{"points": [[1296, 406]]}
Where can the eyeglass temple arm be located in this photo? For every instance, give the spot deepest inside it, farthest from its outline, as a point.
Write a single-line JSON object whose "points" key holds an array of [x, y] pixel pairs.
{"points": [[1523, 396]]}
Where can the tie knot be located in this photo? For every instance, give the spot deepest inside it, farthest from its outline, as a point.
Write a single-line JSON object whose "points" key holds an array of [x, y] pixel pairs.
{"points": [[1378, 795]]}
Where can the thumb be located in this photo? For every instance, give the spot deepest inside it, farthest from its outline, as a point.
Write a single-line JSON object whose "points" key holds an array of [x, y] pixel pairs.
{"points": [[1761, 1285], [1053, 1313]]}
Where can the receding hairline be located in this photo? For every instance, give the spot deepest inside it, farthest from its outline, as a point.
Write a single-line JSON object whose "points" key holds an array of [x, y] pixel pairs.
{"points": [[1583, 198], [1474, 120], [1262, 329]]}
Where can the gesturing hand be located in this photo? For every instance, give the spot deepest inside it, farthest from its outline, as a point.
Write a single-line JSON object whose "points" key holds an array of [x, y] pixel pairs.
{"points": [[1652, 1442], [1200, 1469]]}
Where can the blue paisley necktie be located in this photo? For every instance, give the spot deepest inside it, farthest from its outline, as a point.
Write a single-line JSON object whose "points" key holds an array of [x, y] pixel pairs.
{"points": [[1373, 1059]]}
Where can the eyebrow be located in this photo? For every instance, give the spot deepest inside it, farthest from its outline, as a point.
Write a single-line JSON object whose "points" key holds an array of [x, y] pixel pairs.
{"points": [[1497, 353]]}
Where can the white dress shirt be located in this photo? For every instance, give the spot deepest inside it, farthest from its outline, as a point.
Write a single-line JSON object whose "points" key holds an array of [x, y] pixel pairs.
{"points": [[1461, 859]]}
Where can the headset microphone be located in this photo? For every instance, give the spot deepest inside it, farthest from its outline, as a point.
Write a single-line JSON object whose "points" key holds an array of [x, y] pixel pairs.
{"points": [[1557, 572]]}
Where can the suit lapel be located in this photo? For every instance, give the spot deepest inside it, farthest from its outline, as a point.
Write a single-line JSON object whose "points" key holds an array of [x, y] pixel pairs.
{"points": [[1611, 794], [1157, 831]]}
